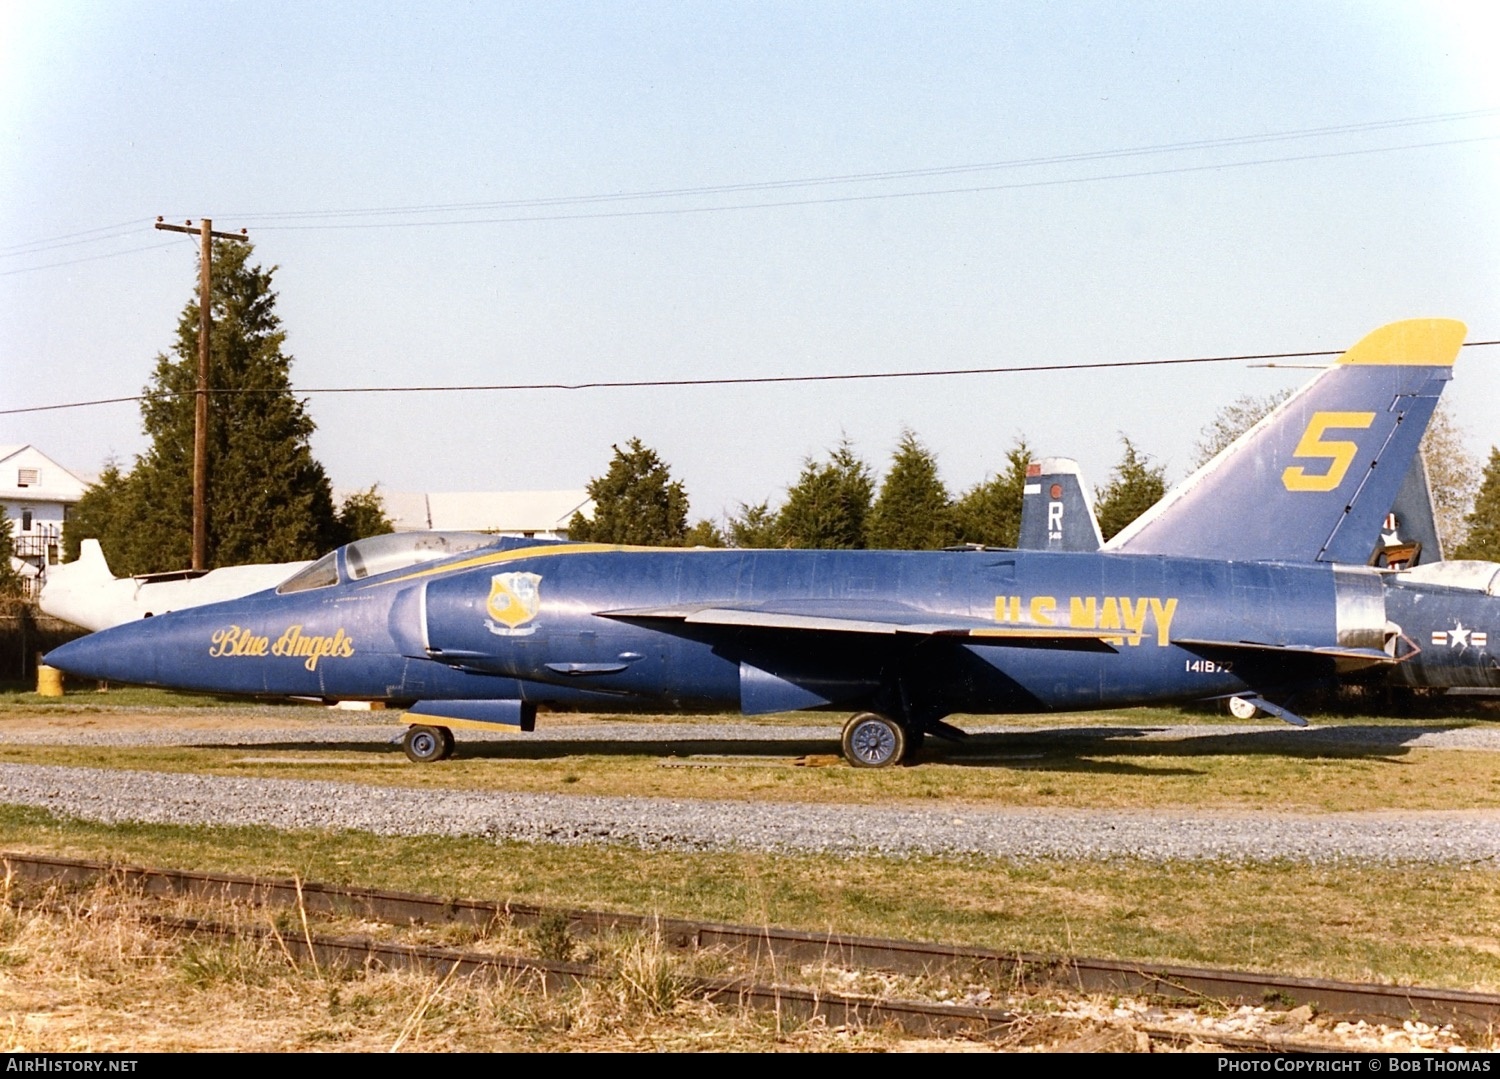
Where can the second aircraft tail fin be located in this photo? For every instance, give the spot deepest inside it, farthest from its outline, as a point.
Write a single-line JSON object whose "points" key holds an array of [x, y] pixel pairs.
{"points": [[1056, 511]]}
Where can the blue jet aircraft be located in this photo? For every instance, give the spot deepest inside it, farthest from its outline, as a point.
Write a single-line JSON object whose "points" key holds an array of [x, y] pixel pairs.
{"points": [[902, 639]]}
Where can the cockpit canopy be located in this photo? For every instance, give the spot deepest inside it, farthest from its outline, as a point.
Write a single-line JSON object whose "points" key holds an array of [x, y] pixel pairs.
{"points": [[375, 555]]}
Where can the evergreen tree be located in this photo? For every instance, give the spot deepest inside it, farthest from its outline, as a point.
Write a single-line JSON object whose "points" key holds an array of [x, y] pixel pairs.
{"points": [[913, 511], [827, 506], [704, 534], [1134, 487], [636, 502], [362, 514], [268, 499], [756, 526], [10, 580], [1483, 538], [108, 512], [990, 512]]}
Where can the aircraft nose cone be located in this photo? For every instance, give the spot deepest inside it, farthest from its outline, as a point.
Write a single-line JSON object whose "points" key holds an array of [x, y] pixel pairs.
{"points": [[120, 655]]}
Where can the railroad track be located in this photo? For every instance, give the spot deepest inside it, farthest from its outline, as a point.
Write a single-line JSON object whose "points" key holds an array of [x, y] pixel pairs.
{"points": [[755, 945]]}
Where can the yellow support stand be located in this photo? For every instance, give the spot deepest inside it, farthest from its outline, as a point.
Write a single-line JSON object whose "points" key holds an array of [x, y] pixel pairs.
{"points": [[49, 681]]}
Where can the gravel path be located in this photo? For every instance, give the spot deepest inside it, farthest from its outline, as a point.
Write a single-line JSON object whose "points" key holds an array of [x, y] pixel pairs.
{"points": [[658, 824]]}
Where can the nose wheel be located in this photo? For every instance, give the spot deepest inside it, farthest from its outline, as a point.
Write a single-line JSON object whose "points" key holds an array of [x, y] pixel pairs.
{"points": [[424, 744], [872, 740]]}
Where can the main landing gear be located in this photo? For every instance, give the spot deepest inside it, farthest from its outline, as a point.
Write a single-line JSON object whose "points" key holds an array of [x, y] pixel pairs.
{"points": [[872, 740], [423, 744]]}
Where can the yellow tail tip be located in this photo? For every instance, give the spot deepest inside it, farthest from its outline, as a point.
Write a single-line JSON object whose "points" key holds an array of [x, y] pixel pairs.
{"points": [[1416, 342]]}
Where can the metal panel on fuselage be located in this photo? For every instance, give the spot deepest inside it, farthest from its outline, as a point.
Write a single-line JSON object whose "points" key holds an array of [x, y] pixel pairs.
{"points": [[1451, 635]]}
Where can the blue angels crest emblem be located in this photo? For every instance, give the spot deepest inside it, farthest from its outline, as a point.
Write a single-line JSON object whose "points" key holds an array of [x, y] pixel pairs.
{"points": [[515, 599]]}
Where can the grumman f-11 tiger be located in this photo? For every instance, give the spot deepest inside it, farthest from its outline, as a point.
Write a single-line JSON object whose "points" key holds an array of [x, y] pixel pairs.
{"points": [[902, 639]]}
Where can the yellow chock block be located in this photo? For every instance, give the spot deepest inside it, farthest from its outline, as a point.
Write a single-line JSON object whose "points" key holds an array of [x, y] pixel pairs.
{"points": [[49, 681]]}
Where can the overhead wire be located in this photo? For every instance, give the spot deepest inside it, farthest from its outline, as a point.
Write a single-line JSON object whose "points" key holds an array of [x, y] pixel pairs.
{"points": [[661, 383], [269, 219], [887, 175], [70, 239], [673, 211], [92, 258]]}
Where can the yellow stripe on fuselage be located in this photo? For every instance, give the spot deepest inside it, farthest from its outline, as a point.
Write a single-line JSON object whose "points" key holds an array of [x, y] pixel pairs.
{"points": [[495, 558]]}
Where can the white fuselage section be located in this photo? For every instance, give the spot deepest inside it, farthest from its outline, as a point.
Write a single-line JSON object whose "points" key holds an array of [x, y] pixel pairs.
{"points": [[85, 593]]}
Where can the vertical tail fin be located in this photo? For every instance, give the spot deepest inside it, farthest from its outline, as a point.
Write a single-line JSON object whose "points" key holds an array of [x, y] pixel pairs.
{"points": [[1314, 480], [1056, 511], [90, 564]]}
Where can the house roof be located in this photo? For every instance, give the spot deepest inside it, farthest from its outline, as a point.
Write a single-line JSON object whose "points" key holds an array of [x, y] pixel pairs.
{"points": [[54, 482]]}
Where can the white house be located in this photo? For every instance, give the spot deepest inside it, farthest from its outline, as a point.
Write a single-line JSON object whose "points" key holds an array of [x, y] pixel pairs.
{"points": [[38, 495]]}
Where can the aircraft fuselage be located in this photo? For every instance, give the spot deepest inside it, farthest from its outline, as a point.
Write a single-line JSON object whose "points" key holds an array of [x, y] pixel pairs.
{"points": [[561, 625]]}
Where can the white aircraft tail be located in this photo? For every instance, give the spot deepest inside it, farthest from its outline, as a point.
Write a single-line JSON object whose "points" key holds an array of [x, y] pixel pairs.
{"points": [[90, 565]]}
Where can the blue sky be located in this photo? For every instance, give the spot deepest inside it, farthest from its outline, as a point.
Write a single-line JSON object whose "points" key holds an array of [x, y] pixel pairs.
{"points": [[288, 118]]}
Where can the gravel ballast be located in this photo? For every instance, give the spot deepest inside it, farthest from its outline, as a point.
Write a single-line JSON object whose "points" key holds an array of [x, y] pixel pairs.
{"points": [[696, 825]]}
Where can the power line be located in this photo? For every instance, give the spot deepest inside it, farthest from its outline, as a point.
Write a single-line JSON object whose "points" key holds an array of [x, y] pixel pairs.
{"points": [[875, 196], [896, 174], [762, 380], [50, 242], [931, 172], [91, 258]]}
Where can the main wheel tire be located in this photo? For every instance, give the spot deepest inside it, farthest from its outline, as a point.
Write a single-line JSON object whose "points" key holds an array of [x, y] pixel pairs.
{"points": [[1240, 708], [449, 742], [423, 744], [872, 740]]}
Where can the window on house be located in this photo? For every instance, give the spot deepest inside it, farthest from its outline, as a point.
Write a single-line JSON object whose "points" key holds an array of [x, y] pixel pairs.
{"points": [[28, 477], [25, 520]]}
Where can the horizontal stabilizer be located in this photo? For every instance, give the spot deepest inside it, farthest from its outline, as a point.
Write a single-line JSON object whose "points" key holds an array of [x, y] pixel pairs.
{"points": [[870, 618], [1281, 712], [1349, 659]]}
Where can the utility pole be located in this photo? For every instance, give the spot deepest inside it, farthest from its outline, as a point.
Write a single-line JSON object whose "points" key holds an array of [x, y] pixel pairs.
{"points": [[206, 236]]}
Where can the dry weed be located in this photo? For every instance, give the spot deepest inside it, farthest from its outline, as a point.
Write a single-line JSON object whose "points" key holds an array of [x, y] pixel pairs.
{"points": [[93, 971]]}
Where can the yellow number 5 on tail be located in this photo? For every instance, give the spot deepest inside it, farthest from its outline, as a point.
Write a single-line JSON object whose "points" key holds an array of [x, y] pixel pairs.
{"points": [[1339, 454]]}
